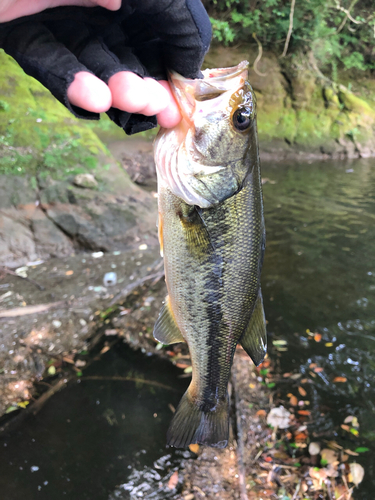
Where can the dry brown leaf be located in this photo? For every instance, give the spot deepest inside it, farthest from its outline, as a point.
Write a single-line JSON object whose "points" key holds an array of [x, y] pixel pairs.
{"points": [[293, 400], [340, 379], [302, 391], [357, 473], [69, 273], [329, 456], [345, 427], [173, 480], [352, 453], [318, 369], [317, 337], [105, 349], [261, 413], [301, 436], [305, 413], [319, 474], [194, 448]]}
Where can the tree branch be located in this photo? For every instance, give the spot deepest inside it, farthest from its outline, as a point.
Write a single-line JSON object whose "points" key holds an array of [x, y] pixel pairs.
{"points": [[290, 28], [259, 56]]}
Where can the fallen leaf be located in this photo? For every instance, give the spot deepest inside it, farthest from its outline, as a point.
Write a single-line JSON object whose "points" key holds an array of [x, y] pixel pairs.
{"points": [[69, 273], [357, 473], [360, 449], [328, 344], [352, 453], [345, 427], [51, 371], [317, 337], [261, 413], [301, 436], [340, 379], [279, 417], [105, 349], [305, 413], [317, 473], [173, 480], [194, 448], [23, 404], [328, 456], [314, 449], [313, 365], [302, 391], [293, 401], [318, 369]]}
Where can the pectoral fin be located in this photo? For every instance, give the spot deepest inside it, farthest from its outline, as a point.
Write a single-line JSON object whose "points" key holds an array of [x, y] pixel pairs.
{"points": [[166, 330], [254, 340]]}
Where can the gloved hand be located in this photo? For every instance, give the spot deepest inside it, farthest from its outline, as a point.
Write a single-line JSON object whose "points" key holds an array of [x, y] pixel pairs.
{"points": [[146, 37]]}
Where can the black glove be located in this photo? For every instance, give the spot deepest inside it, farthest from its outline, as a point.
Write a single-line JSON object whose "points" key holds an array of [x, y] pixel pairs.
{"points": [[146, 37]]}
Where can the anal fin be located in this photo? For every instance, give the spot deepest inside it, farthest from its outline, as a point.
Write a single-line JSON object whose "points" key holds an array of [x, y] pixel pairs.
{"points": [[254, 340], [166, 330]]}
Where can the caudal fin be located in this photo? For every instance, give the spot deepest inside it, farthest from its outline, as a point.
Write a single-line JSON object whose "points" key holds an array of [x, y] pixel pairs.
{"points": [[192, 425]]}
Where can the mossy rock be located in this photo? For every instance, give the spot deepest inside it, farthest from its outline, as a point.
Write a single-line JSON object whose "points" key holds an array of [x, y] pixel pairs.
{"points": [[36, 131], [355, 104]]}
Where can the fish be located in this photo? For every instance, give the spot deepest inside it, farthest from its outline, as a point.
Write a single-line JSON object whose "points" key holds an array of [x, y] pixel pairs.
{"points": [[212, 236]]}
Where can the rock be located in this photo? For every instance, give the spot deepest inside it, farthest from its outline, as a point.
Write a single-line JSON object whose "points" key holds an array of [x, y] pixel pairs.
{"points": [[85, 181]]}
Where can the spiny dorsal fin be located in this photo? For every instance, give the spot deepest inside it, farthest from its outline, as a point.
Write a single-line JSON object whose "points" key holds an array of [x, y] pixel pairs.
{"points": [[254, 340], [165, 330]]}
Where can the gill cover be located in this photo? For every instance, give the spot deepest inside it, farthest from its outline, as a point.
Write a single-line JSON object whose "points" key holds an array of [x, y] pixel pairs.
{"points": [[201, 160]]}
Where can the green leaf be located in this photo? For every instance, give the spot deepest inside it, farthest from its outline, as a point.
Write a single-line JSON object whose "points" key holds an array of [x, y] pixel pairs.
{"points": [[361, 449], [271, 385], [11, 408]]}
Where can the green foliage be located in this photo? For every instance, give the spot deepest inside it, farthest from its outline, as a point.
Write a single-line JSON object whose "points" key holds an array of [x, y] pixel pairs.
{"points": [[336, 39]]}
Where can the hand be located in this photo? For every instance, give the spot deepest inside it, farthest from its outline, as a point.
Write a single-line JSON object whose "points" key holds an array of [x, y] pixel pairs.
{"points": [[126, 50]]}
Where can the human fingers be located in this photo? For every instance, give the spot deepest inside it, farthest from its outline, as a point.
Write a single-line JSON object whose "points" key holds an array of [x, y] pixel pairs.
{"points": [[171, 115], [138, 95], [89, 92]]}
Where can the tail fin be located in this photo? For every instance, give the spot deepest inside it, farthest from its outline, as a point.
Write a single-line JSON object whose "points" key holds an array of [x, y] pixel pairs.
{"points": [[192, 425]]}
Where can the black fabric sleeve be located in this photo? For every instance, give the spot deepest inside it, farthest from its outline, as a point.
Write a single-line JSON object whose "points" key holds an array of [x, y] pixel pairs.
{"points": [[39, 54]]}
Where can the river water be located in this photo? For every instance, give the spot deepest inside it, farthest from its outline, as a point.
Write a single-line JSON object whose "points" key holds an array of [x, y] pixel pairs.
{"points": [[319, 275], [104, 437]]}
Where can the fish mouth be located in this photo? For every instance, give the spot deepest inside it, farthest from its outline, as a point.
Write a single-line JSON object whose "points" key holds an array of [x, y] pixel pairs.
{"points": [[214, 83]]}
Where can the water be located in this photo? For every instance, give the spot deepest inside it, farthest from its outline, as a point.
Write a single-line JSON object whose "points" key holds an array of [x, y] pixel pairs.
{"points": [[319, 274], [103, 437]]}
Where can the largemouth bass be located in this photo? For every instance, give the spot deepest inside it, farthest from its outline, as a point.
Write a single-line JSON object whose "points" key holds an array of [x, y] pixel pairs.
{"points": [[211, 231]]}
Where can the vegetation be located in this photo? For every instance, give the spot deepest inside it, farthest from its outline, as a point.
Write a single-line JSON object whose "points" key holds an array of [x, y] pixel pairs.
{"points": [[340, 33], [37, 133]]}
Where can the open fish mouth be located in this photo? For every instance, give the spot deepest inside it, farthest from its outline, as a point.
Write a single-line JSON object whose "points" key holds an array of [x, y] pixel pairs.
{"points": [[215, 82]]}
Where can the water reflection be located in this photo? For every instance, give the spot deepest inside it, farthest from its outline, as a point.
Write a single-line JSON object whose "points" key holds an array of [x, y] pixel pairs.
{"points": [[93, 435], [319, 275]]}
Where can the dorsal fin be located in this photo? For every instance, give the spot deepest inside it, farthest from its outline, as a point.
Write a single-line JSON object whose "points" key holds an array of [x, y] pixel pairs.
{"points": [[165, 330], [254, 340]]}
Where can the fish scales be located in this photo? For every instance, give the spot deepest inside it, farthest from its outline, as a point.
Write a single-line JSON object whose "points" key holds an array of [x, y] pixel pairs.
{"points": [[213, 257]]}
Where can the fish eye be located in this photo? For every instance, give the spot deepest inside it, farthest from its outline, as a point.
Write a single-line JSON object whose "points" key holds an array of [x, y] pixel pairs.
{"points": [[242, 119]]}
